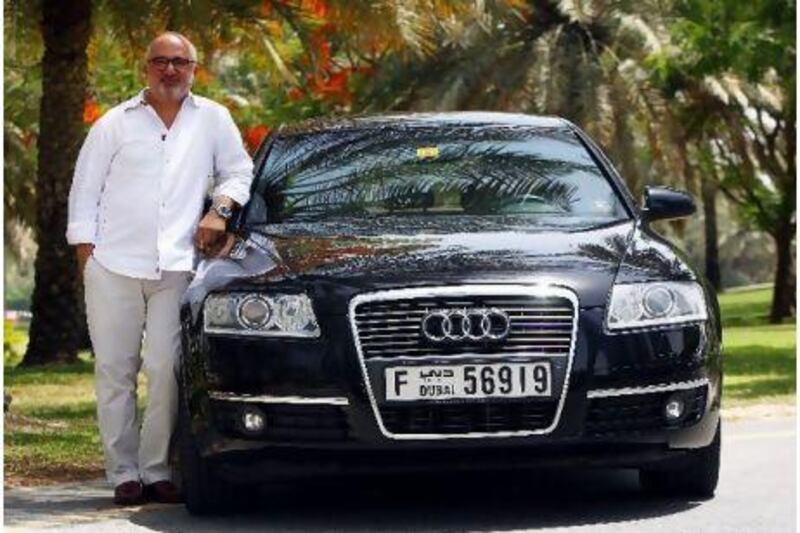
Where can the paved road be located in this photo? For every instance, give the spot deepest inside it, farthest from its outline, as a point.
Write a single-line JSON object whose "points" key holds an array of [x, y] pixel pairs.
{"points": [[757, 492]]}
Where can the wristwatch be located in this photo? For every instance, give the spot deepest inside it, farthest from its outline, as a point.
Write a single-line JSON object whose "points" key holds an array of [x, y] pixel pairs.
{"points": [[223, 211]]}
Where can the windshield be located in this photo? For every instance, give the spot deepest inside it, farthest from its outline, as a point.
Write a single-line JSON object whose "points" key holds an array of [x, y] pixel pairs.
{"points": [[413, 172]]}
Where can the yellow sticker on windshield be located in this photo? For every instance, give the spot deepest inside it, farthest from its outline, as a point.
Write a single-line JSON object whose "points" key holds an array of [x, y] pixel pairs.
{"points": [[428, 152]]}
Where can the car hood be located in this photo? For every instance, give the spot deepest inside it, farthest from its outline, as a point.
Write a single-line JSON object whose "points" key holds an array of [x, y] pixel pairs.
{"points": [[333, 262], [357, 257]]}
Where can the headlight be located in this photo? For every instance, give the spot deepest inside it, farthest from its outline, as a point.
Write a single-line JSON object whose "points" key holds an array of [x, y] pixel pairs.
{"points": [[284, 315], [641, 305]]}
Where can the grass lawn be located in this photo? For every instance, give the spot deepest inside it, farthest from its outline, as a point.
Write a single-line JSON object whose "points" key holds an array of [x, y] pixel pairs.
{"points": [[759, 358], [51, 430], [746, 306]]}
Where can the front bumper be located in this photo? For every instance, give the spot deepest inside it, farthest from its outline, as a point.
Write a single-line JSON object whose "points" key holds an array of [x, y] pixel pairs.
{"points": [[252, 466], [320, 416]]}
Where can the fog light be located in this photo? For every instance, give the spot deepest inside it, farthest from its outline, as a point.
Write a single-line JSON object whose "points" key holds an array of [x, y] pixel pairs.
{"points": [[674, 409], [253, 420]]}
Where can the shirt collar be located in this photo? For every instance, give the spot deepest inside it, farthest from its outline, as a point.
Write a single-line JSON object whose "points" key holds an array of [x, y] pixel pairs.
{"points": [[139, 100]]}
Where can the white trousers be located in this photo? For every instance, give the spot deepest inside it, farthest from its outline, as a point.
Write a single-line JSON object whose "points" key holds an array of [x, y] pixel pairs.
{"points": [[119, 309]]}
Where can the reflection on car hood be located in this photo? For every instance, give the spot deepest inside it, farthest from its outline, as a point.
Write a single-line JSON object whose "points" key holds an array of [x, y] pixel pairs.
{"points": [[411, 253]]}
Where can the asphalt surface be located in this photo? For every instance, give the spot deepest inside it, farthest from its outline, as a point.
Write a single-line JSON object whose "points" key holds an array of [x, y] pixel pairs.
{"points": [[757, 492]]}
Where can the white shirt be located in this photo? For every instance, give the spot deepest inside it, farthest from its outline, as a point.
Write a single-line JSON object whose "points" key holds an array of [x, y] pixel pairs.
{"points": [[139, 187]]}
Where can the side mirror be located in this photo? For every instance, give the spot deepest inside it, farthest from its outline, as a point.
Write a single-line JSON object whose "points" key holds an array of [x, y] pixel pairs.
{"points": [[662, 203]]}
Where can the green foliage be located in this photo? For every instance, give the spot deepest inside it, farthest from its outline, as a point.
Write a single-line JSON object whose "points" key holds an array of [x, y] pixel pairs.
{"points": [[18, 275], [14, 341], [22, 91], [749, 37], [731, 73], [115, 72]]}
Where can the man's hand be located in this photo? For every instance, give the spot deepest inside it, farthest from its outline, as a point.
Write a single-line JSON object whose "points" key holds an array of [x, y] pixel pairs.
{"points": [[84, 251], [209, 238], [225, 246]]}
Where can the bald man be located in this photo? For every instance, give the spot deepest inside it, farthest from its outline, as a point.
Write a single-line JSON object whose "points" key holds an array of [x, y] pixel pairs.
{"points": [[135, 211]]}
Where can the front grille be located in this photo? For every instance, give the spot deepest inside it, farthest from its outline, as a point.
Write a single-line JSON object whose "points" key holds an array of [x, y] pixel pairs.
{"points": [[388, 330], [447, 419], [285, 422], [639, 413], [540, 326]]}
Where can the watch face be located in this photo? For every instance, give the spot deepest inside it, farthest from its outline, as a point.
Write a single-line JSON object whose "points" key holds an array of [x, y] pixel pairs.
{"points": [[223, 211]]}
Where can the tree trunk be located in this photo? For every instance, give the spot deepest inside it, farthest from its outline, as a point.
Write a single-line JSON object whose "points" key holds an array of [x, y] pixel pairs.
{"points": [[709, 195], [784, 298], [58, 315]]}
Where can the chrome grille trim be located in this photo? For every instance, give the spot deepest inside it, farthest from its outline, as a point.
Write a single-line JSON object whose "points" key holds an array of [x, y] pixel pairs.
{"points": [[498, 290], [647, 389], [265, 398], [392, 328], [414, 342]]}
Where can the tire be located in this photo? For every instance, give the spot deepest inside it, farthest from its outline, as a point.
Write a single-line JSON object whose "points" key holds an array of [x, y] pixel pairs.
{"points": [[204, 492], [695, 476]]}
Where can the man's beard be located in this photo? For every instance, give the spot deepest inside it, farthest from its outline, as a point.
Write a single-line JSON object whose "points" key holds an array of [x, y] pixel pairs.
{"points": [[170, 93]]}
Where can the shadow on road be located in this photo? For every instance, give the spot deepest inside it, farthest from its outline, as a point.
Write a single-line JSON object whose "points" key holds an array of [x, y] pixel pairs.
{"points": [[496, 501]]}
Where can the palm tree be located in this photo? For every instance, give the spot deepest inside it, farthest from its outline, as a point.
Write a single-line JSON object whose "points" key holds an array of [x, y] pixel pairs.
{"points": [[57, 317], [579, 60]]}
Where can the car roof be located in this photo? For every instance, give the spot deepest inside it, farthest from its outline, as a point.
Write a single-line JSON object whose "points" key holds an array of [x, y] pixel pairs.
{"points": [[474, 119]]}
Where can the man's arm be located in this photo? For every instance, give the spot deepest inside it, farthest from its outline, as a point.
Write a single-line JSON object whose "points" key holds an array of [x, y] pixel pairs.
{"points": [[90, 174], [233, 168], [210, 234]]}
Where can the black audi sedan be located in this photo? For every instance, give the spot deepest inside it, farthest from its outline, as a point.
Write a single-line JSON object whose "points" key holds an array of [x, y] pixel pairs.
{"points": [[442, 292]]}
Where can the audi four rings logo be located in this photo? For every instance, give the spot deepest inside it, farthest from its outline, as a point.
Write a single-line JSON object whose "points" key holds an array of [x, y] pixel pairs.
{"points": [[480, 324]]}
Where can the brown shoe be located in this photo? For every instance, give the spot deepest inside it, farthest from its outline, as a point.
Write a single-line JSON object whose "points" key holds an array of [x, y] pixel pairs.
{"points": [[128, 493], [163, 492]]}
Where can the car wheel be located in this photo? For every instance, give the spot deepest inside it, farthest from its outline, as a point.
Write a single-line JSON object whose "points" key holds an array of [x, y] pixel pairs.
{"points": [[695, 476], [205, 493]]}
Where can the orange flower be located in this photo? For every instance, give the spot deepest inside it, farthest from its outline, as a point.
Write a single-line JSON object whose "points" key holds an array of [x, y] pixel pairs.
{"points": [[295, 94], [333, 86], [318, 41], [91, 111], [319, 8], [337, 82], [254, 135], [324, 55]]}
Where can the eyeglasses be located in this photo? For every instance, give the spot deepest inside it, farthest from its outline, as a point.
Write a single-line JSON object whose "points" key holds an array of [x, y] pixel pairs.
{"points": [[161, 62]]}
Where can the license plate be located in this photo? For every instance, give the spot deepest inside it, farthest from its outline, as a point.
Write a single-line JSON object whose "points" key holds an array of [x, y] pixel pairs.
{"points": [[445, 382]]}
